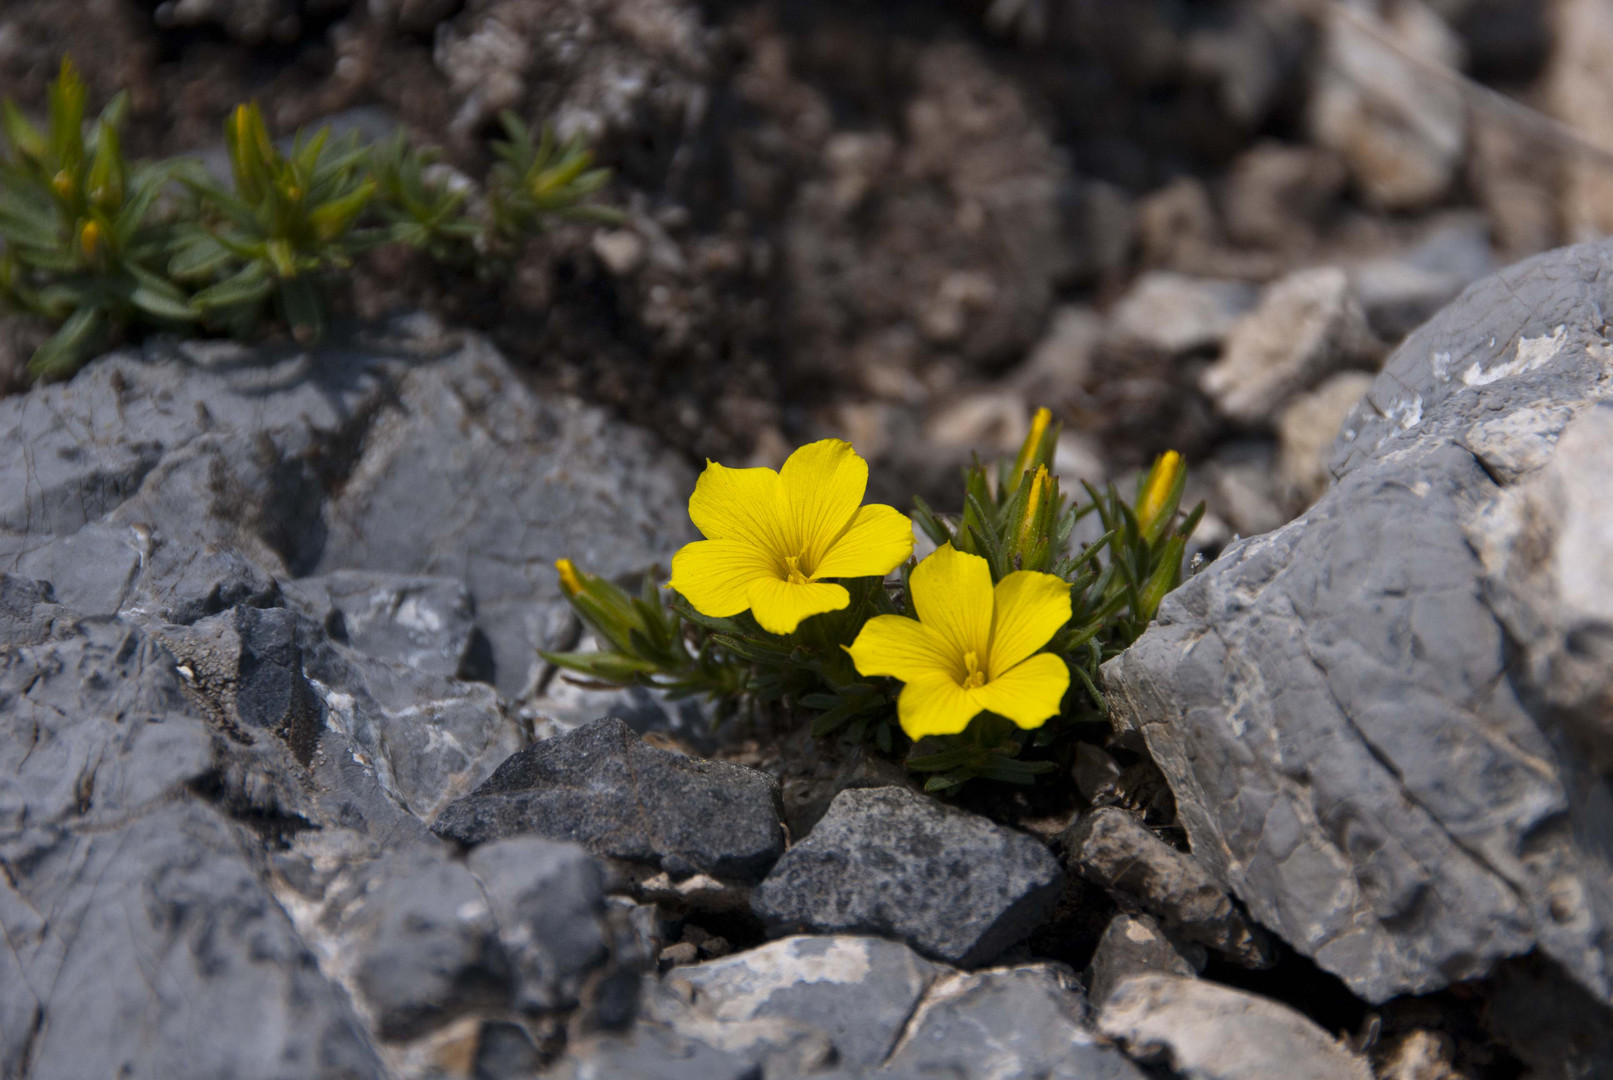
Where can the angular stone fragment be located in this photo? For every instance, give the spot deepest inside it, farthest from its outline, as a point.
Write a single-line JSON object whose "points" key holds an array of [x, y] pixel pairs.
{"points": [[94, 726], [604, 788], [427, 624], [467, 473], [1334, 704], [1380, 101], [431, 739], [1175, 314], [1306, 428], [1308, 326], [1005, 1024], [1110, 847], [651, 1052], [859, 991], [1135, 945], [1544, 543], [548, 900], [153, 950], [425, 943], [886, 861], [1206, 1031]]}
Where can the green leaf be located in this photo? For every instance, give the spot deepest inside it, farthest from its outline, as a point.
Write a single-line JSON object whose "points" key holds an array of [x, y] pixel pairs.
{"points": [[250, 286], [67, 350], [334, 218], [105, 183], [612, 666], [147, 185], [24, 138], [304, 311], [198, 255], [19, 228], [162, 303], [66, 110], [116, 111]]}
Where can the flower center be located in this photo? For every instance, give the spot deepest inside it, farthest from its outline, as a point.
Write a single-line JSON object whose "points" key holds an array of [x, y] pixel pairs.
{"points": [[793, 568], [975, 678]]}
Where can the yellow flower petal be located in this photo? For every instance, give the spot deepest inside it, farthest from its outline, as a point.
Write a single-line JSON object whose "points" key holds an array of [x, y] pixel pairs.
{"points": [[716, 575], [952, 596], [904, 648], [745, 505], [823, 485], [876, 542], [1029, 693], [779, 606], [935, 705], [1030, 608]]}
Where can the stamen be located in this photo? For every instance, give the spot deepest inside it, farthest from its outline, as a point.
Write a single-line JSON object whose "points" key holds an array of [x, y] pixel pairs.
{"points": [[794, 577], [975, 678]]}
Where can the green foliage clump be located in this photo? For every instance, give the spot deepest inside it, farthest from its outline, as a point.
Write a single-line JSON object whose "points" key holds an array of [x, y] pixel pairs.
{"points": [[80, 246], [95, 244], [1016, 518]]}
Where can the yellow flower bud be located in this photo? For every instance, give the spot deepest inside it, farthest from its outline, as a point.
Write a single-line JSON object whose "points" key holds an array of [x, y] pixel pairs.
{"points": [[570, 583], [1157, 490], [89, 238], [1040, 490], [62, 184], [1027, 449]]}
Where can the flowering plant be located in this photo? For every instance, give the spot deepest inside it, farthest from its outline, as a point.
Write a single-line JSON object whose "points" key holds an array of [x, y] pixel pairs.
{"points": [[978, 658]]}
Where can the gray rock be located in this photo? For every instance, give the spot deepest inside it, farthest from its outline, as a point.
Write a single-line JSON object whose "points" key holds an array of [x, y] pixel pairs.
{"points": [[179, 484], [604, 788], [151, 949], [1543, 543], [1308, 326], [1306, 430], [779, 1046], [1210, 1032], [1135, 945], [859, 991], [651, 1052], [271, 692], [427, 624], [1174, 313], [466, 473], [424, 943], [94, 727], [1242, 478], [429, 739], [886, 861], [1112, 848], [1005, 1024], [1400, 292], [548, 900], [29, 614], [1332, 703], [1401, 127]]}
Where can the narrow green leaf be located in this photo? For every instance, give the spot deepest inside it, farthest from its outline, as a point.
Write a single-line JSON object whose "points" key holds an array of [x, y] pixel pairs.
{"points": [[67, 350], [250, 286], [24, 138]]}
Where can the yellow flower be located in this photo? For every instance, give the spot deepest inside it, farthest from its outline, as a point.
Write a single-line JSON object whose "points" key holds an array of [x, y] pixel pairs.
{"points": [[971, 647], [772, 537]]}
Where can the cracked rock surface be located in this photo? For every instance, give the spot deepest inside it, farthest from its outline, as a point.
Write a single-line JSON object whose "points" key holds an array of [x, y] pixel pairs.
{"points": [[953, 885], [1362, 747]]}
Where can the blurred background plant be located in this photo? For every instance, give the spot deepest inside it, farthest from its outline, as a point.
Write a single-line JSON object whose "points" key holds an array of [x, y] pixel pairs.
{"points": [[81, 246], [1016, 517], [91, 242]]}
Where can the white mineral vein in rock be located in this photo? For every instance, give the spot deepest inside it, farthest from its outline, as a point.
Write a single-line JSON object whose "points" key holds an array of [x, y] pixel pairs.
{"points": [[1531, 354]]}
